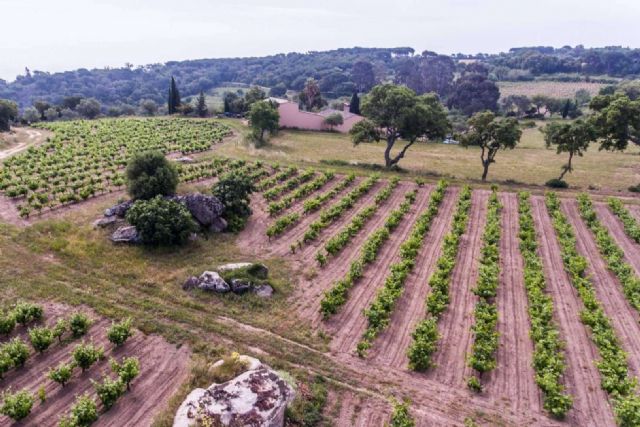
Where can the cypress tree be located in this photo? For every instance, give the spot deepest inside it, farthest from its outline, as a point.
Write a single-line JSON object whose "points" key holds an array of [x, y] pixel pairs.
{"points": [[201, 106], [354, 105], [174, 97]]}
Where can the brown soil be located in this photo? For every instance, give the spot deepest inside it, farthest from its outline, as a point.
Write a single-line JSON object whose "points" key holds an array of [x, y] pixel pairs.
{"points": [[514, 375], [582, 379], [455, 323], [630, 248], [163, 368]]}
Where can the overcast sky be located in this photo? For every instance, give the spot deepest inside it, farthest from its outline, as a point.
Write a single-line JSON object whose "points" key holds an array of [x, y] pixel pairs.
{"points": [[58, 35]]}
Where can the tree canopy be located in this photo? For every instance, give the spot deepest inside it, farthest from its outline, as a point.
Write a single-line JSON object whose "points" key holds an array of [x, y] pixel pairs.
{"points": [[8, 112], [573, 138], [264, 117], [617, 121]]}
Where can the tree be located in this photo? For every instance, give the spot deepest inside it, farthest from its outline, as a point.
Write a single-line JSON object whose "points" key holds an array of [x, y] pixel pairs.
{"points": [[395, 112], [233, 103], [334, 119], [70, 102], [573, 138], [173, 101], [539, 101], [278, 90], [354, 105], [8, 112], [201, 106], [161, 221], [491, 134], [42, 106], [310, 97], [473, 93], [263, 117], [31, 115], [363, 76], [89, 108], [616, 119], [582, 97], [570, 109], [150, 174], [516, 104], [254, 94], [148, 107], [234, 190]]}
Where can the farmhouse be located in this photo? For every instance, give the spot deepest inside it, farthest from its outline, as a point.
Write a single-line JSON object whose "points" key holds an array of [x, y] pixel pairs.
{"points": [[292, 117]]}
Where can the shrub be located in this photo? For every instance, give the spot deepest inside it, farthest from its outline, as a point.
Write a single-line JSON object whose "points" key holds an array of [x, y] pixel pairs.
{"points": [[61, 326], [41, 338], [400, 417], [161, 222], [150, 174], [7, 323], [79, 324], [474, 384], [234, 190], [84, 412], [17, 351], [16, 405], [108, 390], [118, 333], [556, 183], [127, 370], [634, 188], [85, 355], [25, 312], [6, 362], [61, 374]]}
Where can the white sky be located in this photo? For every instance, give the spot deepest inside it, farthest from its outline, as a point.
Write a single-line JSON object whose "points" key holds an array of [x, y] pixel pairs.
{"points": [[58, 35]]}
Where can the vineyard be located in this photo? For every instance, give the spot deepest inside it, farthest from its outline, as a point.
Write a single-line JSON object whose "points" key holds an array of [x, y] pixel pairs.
{"points": [[71, 368], [523, 302]]}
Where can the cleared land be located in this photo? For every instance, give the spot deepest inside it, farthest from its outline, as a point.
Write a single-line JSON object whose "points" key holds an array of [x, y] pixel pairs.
{"points": [[548, 88]]}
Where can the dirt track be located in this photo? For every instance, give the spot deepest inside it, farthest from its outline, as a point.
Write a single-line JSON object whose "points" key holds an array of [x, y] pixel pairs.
{"points": [[163, 368], [582, 379]]}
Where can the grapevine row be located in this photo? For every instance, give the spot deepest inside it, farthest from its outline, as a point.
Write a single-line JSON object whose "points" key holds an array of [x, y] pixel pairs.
{"points": [[613, 366], [314, 204], [631, 226], [306, 189], [335, 297], [275, 192], [425, 336], [379, 312], [280, 176]]}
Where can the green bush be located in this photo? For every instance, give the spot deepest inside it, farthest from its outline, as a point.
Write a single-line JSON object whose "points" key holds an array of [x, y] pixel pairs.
{"points": [[84, 412], [61, 374], [85, 355], [79, 324], [108, 390], [161, 222], [556, 183], [41, 338], [17, 351], [126, 370], [234, 190], [7, 323], [25, 312], [60, 328], [474, 384], [6, 362], [150, 174], [16, 405], [118, 333], [400, 417]]}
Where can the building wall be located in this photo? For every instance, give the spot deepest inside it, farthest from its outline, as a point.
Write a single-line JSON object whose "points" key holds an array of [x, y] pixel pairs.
{"points": [[292, 117]]}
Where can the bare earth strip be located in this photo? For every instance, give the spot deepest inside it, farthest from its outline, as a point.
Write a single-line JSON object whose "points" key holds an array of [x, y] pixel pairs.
{"points": [[635, 211], [163, 368], [455, 324], [311, 291], [582, 379], [616, 229], [513, 378], [608, 288], [390, 348], [349, 323]]}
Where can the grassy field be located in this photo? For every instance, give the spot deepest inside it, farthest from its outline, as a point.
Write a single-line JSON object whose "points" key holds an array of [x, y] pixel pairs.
{"points": [[531, 163], [554, 89]]}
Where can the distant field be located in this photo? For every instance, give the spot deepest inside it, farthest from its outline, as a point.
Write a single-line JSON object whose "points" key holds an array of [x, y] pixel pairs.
{"points": [[555, 89], [215, 96]]}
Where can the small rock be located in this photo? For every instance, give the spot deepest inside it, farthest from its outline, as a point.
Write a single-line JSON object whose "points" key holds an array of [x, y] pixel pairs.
{"points": [[191, 283], [119, 210], [211, 281], [264, 291], [185, 159], [126, 234], [239, 286], [106, 221]]}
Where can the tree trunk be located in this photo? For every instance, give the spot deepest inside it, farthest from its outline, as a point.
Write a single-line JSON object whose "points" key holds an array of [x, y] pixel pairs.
{"points": [[485, 171], [567, 168], [387, 152]]}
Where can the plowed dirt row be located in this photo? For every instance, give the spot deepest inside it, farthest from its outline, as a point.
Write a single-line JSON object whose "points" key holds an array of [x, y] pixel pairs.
{"points": [[616, 229], [360, 411], [349, 323], [390, 348], [582, 379], [635, 211], [455, 325], [162, 369], [608, 288], [513, 377], [337, 267], [254, 239]]}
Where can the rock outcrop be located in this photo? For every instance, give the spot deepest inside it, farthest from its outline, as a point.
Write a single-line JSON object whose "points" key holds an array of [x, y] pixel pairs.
{"points": [[212, 281], [258, 397], [207, 210], [126, 234]]}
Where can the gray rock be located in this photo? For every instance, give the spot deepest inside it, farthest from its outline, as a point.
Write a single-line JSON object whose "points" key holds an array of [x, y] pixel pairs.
{"points": [[126, 234], [218, 225], [259, 271], [119, 210], [257, 397], [239, 286], [211, 281], [185, 159], [204, 209], [264, 291], [106, 221], [191, 283]]}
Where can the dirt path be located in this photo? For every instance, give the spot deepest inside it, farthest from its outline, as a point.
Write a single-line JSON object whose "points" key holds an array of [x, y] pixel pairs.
{"points": [[349, 323], [630, 248], [513, 377], [390, 348], [163, 368], [608, 288], [311, 291], [455, 324], [582, 379], [20, 139]]}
